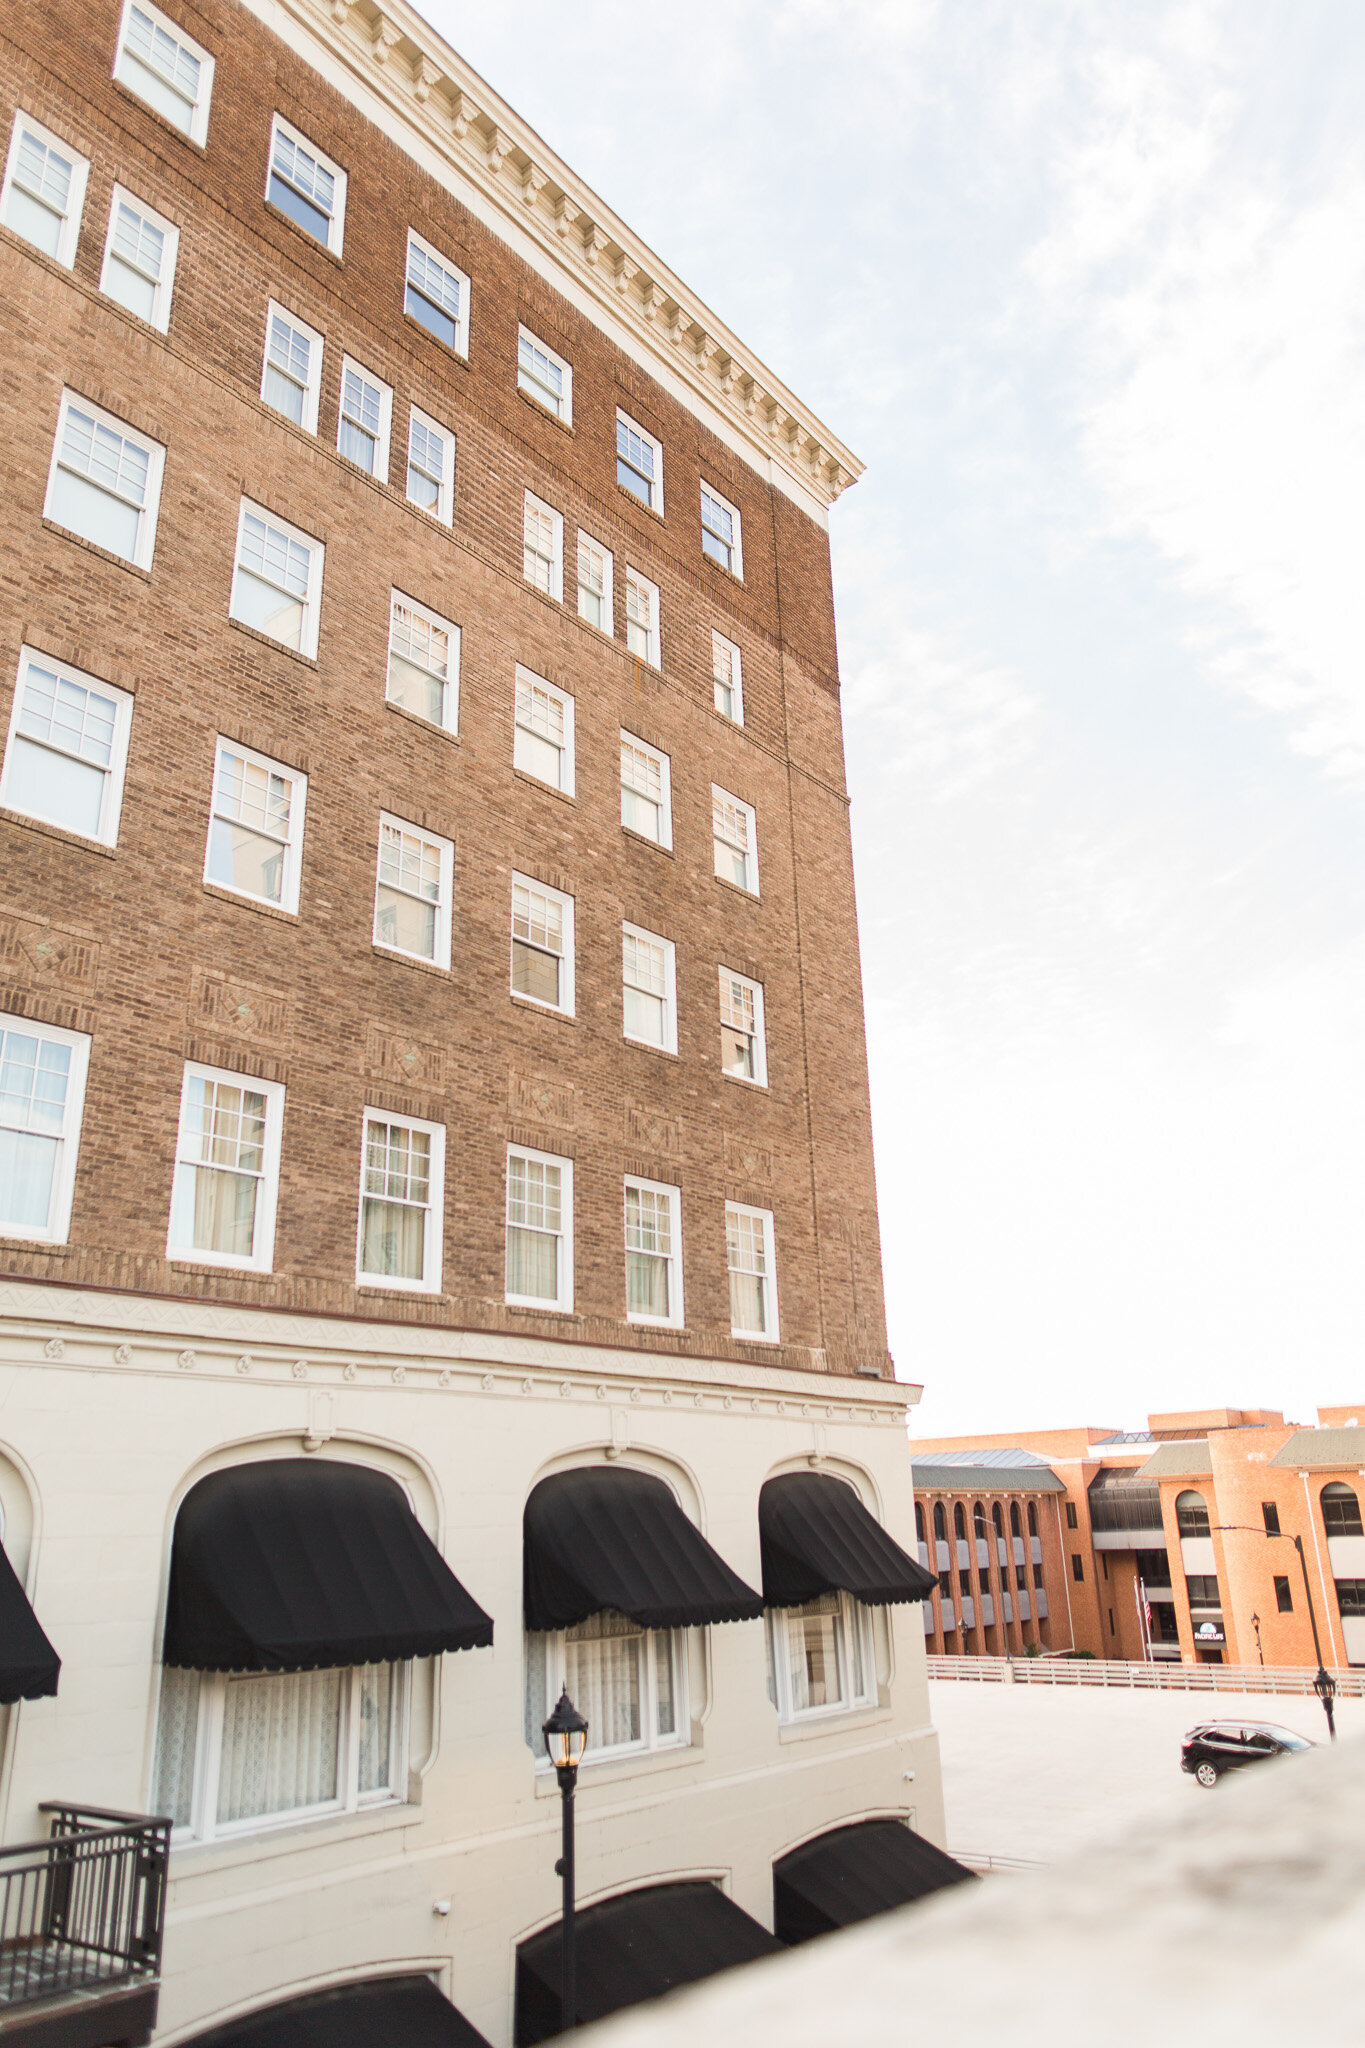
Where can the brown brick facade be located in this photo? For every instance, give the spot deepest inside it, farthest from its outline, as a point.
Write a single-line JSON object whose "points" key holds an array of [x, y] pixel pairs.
{"points": [[131, 946]]}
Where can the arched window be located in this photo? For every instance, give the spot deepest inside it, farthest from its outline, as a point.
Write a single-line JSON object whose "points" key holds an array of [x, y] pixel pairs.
{"points": [[919, 1522], [979, 1522], [998, 1520], [1341, 1511], [1014, 1518], [1032, 1519], [1192, 1513], [959, 1523], [940, 1523]]}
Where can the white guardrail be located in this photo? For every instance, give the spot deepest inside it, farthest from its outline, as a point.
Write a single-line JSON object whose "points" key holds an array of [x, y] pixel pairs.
{"points": [[1234, 1678]]}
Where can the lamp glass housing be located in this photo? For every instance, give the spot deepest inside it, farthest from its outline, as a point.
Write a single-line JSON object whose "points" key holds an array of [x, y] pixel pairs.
{"points": [[566, 1735]]}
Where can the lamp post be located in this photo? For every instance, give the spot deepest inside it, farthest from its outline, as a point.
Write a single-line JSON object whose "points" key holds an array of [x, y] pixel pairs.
{"points": [[1256, 1624], [566, 1737], [1324, 1685]]}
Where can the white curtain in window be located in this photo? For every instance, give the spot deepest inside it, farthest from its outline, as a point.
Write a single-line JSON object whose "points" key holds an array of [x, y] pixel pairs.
{"points": [[176, 1730], [604, 1678], [28, 1165], [813, 1634], [377, 1684], [280, 1736]]}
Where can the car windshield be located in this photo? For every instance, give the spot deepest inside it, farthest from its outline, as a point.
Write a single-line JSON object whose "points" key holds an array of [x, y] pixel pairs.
{"points": [[1284, 1735]]}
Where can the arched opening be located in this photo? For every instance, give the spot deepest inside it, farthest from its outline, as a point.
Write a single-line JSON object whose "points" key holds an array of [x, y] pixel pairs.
{"points": [[1015, 1529], [940, 1523], [998, 1520], [979, 1522], [959, 1523], [1341, 1510], [919, 1523], [1032, 1519], [1191, 1513]]}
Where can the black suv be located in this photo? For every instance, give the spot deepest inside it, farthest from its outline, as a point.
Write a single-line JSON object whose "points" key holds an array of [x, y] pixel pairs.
{"points": [[1217, 1746]]}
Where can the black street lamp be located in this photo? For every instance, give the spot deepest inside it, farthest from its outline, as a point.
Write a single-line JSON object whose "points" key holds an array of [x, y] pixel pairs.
{"points": [[1324, 1685], [1256, 1624], [566, 1737]]}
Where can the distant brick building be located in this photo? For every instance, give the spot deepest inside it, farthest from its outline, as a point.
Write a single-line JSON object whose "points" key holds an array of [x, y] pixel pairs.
{"points": [[1173, 1543]]}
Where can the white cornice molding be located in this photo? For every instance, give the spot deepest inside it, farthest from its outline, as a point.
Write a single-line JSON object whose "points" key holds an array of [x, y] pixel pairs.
{"points": [[391, 53]]}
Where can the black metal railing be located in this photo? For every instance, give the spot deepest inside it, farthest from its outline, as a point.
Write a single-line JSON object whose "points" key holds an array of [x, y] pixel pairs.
{"points": [[86, 1908]]}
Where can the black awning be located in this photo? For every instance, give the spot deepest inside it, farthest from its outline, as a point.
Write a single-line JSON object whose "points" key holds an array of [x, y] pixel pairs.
{"points": [[632, 1948], [301, 1564], [818, 1538], [383, 2012], [852, 1873], [28, 1662], [605, 1537]]}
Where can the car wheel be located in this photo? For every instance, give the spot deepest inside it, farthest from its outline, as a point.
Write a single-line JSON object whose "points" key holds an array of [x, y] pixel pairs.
{"points": [[1206, 1775]]}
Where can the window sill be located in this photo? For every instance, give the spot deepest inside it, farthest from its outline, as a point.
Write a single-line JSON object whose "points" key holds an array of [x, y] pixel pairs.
{"points": [[287, 1838], [748, 895], [744, 1081], [442, 732], [541, 1308], [369, 1288], [612, 1770], [543, 412], [566, 796], [408, 960], [833, 1724], [655, 1323], [521, 1002], [278, 646], [62, 832], [15, 240], [148, 328], [311, 241], [126, 92], [452, 355], [721, 570], [93, 547], [245, 902], [183, 1262], [660, 1052], [639, 504], [643, 839]]}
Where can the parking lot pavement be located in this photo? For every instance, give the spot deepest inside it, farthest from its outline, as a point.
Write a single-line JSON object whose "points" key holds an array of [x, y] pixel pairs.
{"points": [[1036, 1771]]}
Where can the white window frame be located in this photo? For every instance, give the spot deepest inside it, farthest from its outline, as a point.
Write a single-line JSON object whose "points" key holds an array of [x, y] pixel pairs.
{"points": [[531, 503], [528, 680], [608, 625], [204, 1826], [769, 1335], [750, 885], [853, 1615], [445, 882], [460, 345], [720, 643], [735, 566], [12, 792], [433, 1229], [267, 1200], [145, 544], [527, 380], [312, 598], [655, 501], [312, 385], [336, 220], [350, 366], [444, 509], [450, 719], [162, 287], [563, 1301], [759, 1035], [565, 1006], [674, 1319], [664, 835], [651, 654], [58, 1225], [555, 1658], [69, 228], [197, 126], [669, 992], [292, 843]]}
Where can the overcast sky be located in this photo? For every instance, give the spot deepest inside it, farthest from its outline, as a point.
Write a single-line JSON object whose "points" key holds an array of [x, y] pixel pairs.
{"points": [[1085, 286]]}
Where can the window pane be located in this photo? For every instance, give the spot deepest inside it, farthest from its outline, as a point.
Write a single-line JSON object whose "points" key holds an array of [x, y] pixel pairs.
{"points": [[416, 690], [33, 220], [239, 859], [215, 1211], [746, 1302], [813, 1642], [646, 1285], [431, 317], [644, 1016], [130, 288], [176, 1731], [268, 609], [603, 1677], [737, 1053], [158, 67], [97, 515], [28, 1166], [534, 973], [665, 1714], [537, 756], [404, 922], [280, 1736], [53, 786], [376, 1727], [532, 1263], [393, 1238]]}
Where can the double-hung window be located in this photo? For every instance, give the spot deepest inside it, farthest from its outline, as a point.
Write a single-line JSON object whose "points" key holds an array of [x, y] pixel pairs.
{"points": [[594, 583], [165, 68], [630, 1684], [642, 617], [139, 259], [542, 945], [431, 467], [653, 1252], [544, 376], [412, 892], [42, 1090], [364, 418], [277, 579], [402, 1174], [44, 189], [639, 463], [649, 988], [67, 748], [720, 531], [753, 1276], [424, 662], [436, 295], [820, 1657], [227, 1170], [539, 1270], [543, 547], [239, 1752], [726, 678], [256, 826], [646, 795], [542, 742], [105, 481], [743, 1044], [307, 187], [736, 840], [291, 375]]}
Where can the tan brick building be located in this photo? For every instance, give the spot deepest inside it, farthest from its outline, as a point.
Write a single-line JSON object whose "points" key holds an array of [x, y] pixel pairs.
{"points": [[432, 1021]]}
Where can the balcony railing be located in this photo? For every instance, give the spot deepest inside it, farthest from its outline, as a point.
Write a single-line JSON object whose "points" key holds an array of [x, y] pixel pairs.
{"points": [[81, 1922]]}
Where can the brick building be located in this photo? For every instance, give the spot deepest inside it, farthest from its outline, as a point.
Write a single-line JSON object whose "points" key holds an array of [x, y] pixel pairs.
{"points": [[989, 1527], [1177, 1542], [434, 1101]]}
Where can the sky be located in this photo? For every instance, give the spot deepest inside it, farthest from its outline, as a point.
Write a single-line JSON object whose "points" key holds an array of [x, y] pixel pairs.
{"points": [[1084, 284]]}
